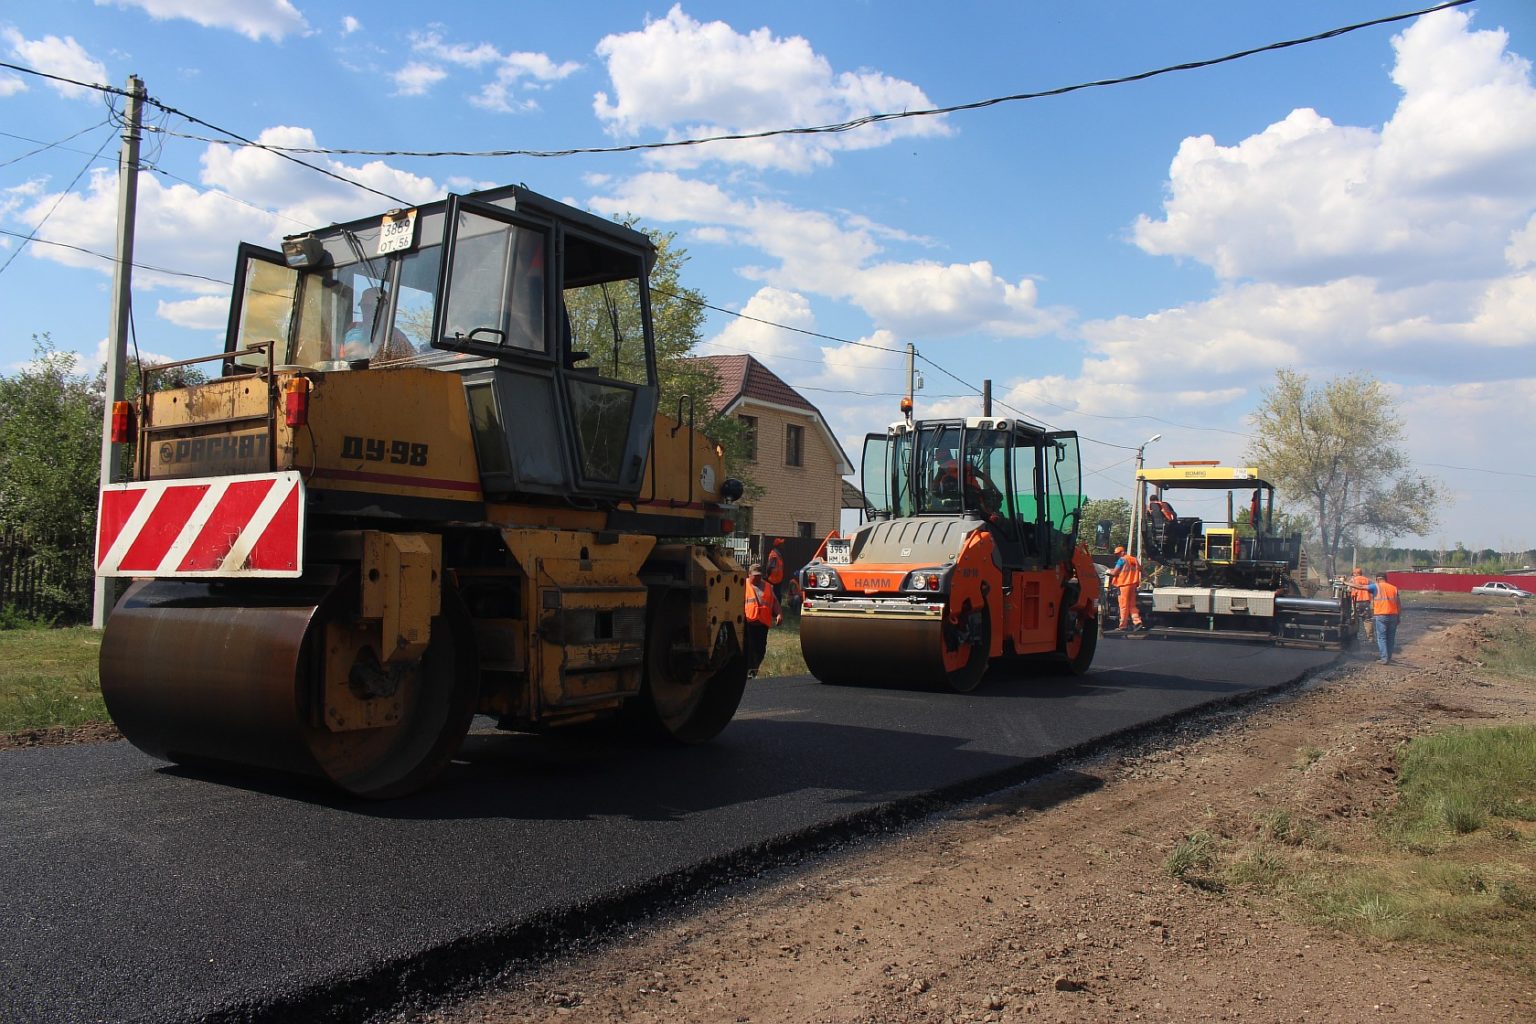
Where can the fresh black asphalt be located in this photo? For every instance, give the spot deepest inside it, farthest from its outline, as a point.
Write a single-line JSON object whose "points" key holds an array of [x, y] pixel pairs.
{"points": [[137, 891]]}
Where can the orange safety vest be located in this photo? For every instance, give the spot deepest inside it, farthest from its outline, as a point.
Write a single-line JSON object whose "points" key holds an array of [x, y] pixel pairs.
{"points": [[774, 569], [1362, 595], [1128, 575], [762, 605], [1386, 602]]}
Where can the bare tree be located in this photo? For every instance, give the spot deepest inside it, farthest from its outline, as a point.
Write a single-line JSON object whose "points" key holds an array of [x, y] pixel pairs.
{"points": [[1338, 449]]}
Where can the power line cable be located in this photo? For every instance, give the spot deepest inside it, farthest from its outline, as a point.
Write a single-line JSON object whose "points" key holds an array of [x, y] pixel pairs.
{"points": [[43, 147], [278, 151], [113, 259], [62, 195], [770, 323], [868, 119]]}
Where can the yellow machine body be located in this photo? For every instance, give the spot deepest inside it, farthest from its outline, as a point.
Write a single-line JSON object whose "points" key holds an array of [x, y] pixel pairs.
{"points": [[480, 527]]}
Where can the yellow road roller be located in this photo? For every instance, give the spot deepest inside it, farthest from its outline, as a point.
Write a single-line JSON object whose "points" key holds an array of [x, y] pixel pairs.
{"points": [[970, 558], [430, 480]]}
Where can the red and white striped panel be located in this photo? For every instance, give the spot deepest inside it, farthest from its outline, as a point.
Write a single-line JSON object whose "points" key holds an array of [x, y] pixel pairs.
{"points": [[226, 526]]}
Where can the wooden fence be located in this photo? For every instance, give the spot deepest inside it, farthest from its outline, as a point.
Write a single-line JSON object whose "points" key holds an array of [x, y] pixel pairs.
{"points": [[44, 583]]}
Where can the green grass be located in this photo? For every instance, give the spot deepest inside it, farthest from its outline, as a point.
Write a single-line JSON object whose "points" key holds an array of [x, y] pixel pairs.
{"points": [[48, 677], [1455, 783], [783, 657], [1511, 651]]}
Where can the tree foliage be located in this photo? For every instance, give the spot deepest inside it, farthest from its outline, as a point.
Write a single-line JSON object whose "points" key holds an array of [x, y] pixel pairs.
{"points": [[677, 317], [50, 462], [1116, 512], [1337, 449]]}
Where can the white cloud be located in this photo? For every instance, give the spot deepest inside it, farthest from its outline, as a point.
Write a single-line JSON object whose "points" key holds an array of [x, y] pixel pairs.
{"points": [[764, 340], [254, 19], [208, 313], [689, 79], [10, 85], [1307, 201], [416, 78], [512, 71], [62, 57], [349, 25], [1522, 246], [1406, 251], [298, 194], [837, 257], [195, 232]]}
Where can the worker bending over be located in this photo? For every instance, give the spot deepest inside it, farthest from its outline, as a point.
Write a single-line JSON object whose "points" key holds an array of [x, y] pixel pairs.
{"points": [[1360, 586]]}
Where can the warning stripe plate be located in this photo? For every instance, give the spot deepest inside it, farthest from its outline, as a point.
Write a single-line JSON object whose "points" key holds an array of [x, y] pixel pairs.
{"points": [[219, 527]]}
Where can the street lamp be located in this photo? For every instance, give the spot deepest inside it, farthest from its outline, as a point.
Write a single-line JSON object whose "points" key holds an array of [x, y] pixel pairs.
{"points": [[1138, 499]]}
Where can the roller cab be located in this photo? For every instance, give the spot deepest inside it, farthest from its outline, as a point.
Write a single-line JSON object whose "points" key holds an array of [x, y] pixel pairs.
{"points": [[971, 558], [431, 479]]}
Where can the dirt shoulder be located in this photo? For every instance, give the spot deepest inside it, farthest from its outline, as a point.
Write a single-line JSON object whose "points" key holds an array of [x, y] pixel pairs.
{"points": [[1052, 903]]}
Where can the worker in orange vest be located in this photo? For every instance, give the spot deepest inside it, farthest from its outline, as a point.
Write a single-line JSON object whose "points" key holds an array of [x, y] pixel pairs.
{"points": [[1126, 578], [762, 614], [773, 568], [1386, 609], [1360, 584]]}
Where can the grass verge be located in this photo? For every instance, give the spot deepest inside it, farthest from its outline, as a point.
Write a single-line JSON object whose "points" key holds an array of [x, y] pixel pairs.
{"points": [[1451, 863], [48, 677], [783, 657]]}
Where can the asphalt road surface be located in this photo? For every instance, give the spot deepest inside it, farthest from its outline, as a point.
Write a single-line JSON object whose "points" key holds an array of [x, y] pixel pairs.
{"points": [[131, 890]]}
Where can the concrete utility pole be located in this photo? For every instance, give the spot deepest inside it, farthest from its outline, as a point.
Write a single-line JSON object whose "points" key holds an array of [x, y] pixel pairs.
{"points": [[1138, 499], [122, 288], [911, 381]]}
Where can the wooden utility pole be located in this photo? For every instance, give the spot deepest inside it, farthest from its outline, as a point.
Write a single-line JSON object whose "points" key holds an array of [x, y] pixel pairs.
{"points": [[986, 398], [122, 288]]}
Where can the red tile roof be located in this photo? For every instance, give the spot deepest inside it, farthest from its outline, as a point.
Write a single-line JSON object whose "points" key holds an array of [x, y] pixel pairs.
{"points": [[744, 377]]}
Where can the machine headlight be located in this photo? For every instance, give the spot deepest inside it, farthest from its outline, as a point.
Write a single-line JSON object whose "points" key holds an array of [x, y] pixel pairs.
{"points": [[929, 581]]}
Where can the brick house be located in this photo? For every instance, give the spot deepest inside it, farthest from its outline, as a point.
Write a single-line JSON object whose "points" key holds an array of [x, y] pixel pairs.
{"points": [[796, 459]]}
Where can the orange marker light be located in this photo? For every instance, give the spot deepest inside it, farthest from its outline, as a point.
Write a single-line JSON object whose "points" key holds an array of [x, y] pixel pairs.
{"points": [[296, 396], [123, 423]]}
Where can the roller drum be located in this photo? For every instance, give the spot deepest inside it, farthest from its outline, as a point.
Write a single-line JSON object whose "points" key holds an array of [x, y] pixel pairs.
{"points": [[875, 650], [188, 676], [193, 672]]}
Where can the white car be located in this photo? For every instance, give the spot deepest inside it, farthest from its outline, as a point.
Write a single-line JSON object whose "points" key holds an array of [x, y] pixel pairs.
{"points": [[1499, 587]]}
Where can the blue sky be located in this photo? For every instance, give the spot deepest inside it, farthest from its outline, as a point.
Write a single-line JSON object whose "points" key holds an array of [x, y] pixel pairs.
{"points": [[1123, 261]]}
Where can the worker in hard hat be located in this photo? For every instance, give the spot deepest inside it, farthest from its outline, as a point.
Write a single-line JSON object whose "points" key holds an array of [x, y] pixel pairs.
{"points": [[773, 568], [1359, 585], [762, 613], [1126, 578]]}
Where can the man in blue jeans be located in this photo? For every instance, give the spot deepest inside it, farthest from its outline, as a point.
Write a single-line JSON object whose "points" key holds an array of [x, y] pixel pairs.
{"points": [[1386, 609]]}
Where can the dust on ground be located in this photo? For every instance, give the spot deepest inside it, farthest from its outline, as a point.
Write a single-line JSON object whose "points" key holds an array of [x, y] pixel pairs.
{"points": [[60, 736], [1052, 903]]}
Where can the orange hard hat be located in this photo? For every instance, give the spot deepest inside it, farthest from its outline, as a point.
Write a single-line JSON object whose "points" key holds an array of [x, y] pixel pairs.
{"points": [[1119, 550]]}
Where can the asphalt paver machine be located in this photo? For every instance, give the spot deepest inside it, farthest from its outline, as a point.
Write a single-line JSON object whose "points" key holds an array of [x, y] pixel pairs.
{"points": [[1230, 576]]}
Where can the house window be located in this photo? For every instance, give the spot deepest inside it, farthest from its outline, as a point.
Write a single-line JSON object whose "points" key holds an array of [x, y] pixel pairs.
{"points": [[794, 445], [751, 424], [743, 521], [805, 529]]}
